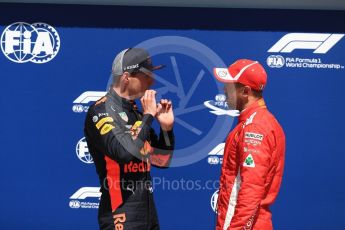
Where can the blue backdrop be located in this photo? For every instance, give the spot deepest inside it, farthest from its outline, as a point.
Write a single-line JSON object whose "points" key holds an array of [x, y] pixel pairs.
{"points": [[43, 159]]}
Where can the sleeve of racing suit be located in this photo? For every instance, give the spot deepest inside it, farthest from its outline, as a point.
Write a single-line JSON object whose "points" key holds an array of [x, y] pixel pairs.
{"points": [[120, 145], [255, 156], [163, 147]]}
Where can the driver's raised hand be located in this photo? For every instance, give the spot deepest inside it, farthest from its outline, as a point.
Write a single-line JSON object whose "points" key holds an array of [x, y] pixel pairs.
{"points": [[148, 102]]}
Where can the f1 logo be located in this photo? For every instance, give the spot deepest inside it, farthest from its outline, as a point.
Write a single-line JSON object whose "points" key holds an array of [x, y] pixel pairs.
{"points": [[89, 96], [85, 98], [86, 192], [320, 43]]}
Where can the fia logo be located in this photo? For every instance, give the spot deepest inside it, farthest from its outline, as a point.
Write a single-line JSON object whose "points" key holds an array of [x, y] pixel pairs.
{"points": [[275, 61], [22, 42], [214, 200], [82, 151], [220, 106]]}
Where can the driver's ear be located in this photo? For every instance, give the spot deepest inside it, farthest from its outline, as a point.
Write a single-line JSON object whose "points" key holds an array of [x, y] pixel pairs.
{"points": [[246, 90], [125, 78]]}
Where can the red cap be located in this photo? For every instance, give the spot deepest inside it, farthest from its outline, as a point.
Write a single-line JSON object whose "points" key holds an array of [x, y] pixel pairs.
{"points": [[244, 71]]}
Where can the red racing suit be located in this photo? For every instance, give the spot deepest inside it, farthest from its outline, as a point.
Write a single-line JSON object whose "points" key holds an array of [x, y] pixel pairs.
{"points": [[252, 171]]}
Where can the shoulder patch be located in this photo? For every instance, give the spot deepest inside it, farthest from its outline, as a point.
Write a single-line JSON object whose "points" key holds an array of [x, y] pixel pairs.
{"points": [[250, 119]]}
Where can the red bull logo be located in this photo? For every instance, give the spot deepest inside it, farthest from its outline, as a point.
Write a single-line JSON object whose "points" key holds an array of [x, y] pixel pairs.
{"points": [[119, 219], [133, 167]]}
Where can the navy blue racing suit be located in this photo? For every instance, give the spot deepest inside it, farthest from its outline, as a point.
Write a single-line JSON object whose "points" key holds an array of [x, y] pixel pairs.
{"points": [[124, 146]]}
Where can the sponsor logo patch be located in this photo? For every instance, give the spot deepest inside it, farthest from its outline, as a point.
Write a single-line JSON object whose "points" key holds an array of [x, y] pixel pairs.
{"points": [[119, 219], [255, 136], [249, 161], [103, 121], [132, 67], [253, 142], [123, 116], [248, 150], [133, 167], [106, 129], [95, 119]]}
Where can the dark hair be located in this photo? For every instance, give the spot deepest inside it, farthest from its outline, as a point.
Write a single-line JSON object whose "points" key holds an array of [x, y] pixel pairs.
{"points": [[256, 93]]}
